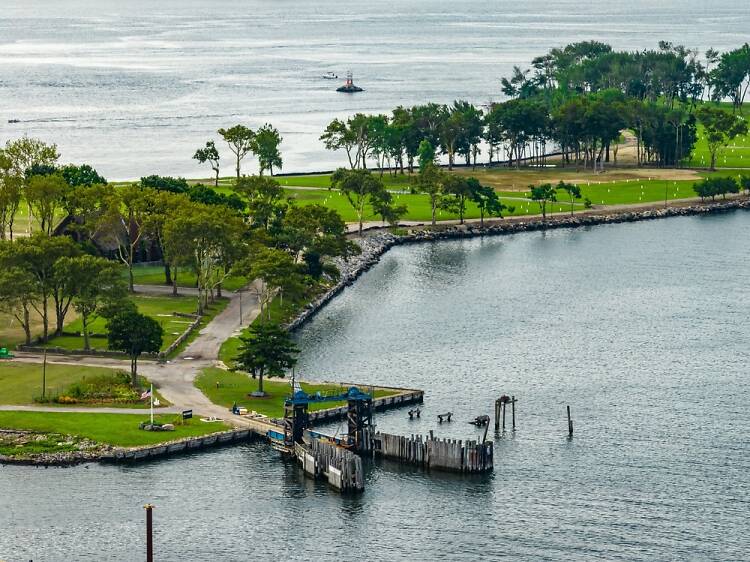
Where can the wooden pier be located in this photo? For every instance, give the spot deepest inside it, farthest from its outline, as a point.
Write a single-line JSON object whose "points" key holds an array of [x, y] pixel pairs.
{"points": [[438, 454], [324, 460], [404, 397]]}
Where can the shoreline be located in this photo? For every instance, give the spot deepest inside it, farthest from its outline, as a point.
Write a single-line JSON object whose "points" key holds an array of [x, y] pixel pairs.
{"points": [[378, 241]]}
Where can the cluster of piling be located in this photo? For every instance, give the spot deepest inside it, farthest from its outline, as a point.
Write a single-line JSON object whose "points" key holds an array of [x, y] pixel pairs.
{"points": [[439, 454], [340, 467]]}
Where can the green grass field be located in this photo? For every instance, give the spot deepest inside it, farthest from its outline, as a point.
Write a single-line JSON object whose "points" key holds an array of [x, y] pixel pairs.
{"points": [[21, 383], [154, 275], [112, 429], [234, 388], [159, 308], [736, 155]]}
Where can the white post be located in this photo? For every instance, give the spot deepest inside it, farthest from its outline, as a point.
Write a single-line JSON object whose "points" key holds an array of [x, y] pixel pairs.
{"points": [[152, 404]]}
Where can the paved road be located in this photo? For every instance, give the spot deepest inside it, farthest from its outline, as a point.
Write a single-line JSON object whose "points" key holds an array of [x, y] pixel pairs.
{"points": [[174, 378], [164, 290]]}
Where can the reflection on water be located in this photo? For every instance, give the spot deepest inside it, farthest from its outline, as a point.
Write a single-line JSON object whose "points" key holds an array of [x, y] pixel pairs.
{"points": [[641, 328]]}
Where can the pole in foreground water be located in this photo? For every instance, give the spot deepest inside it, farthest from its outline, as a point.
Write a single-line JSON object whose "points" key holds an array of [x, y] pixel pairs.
{"points": [[570, 424], [149, 533]]}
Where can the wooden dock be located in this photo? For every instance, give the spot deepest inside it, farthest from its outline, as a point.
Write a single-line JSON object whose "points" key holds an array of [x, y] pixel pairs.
{"points": [[324, 460], [404, 397], [436, 454]]}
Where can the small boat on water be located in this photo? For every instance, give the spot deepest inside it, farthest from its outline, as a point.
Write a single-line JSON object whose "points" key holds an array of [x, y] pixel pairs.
{"points": [[349, 87], [14, 121], [330, 76]]}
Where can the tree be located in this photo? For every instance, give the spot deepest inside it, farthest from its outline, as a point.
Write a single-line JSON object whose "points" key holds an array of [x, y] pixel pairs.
{"points": [[241, 141], [573, 191], [165, 183], [267, 351], [11, 189], [123, 222], [266, 201], [456, 192], [383, 204], [430, 182], [36, 256], [45, 196], [425, 154], [711, 187], [209, 154], [315, 232], [83, 175], [208, 240], [720, 127], [486, 200], [359, 187], [731, 77], [337, 136], [134, 334], [25, 153], [543, 194], [275, 271], [94, 284], [267, 141], [18, 292]]}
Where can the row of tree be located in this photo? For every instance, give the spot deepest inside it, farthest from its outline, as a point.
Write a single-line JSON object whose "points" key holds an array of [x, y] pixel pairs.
{"points": [[243, 141]]}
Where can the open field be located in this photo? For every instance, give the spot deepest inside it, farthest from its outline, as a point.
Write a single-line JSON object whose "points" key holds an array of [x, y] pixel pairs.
{"points": [[112, 429], [20, 383], [736, 155], [235, 387]]}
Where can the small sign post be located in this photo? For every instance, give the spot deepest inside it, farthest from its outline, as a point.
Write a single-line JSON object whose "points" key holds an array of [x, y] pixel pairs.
{"points": [[187, 414]]}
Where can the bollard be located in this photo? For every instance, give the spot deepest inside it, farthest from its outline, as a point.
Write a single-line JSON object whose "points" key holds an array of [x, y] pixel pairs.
{"points": [[513, 410]]}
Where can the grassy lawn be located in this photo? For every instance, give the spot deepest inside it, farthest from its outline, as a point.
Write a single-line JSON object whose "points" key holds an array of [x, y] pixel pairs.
{"points": [[235, 387], [113, 429], [159, 308], [154, 275], [736, 155], [20, 383]]}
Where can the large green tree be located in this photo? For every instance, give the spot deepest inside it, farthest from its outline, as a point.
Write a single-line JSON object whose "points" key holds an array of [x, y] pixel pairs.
{"points": [[543, 194], [94, 284], [267, 142], [486, 200], [720, 127], [241, 141], [134, 334], [360, 188], [268, 350]]}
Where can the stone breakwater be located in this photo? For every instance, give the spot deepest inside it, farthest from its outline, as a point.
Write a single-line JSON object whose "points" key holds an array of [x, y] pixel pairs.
{"points": [[375, 245]]}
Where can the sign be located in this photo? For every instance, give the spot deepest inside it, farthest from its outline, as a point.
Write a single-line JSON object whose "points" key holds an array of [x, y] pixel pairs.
{"points": [[187, 414]]}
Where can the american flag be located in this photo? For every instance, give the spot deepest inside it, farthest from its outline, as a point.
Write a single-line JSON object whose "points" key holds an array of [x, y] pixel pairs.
{"points": [[146, 394]]}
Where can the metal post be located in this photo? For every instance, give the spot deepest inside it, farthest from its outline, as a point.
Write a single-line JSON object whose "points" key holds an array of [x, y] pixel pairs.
{"points": [[149, 533], [513, 410], [44, 375], [240, 291]]}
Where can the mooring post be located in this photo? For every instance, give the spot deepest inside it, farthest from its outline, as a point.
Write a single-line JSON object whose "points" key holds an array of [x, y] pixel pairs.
{"points": [[149, 533], [504, 403], [497, 415], [513, 410], [570, 423]]}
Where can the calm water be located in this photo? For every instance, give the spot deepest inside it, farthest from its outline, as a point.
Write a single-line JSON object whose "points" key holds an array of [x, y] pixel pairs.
{"points": [[135, 87], [642, 328]]}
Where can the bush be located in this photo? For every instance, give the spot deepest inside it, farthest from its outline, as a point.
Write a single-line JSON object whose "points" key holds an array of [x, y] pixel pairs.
{"points": [[105, 388]]}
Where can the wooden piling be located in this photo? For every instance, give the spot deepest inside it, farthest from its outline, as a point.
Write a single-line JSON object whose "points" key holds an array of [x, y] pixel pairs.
{"points": [[504, 403], [513, 410], [570, 423]]}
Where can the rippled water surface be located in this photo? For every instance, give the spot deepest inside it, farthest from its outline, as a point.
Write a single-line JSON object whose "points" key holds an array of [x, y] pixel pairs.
{"points": [[135, 87], [641, 328]]}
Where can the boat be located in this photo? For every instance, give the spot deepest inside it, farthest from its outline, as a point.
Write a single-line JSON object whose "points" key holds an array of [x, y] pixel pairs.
{"points": [[330, 76], [14, 121], [349, 87]]}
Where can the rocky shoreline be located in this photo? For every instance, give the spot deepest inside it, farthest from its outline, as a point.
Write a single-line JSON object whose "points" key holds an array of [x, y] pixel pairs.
{"points": [[375, 245]]}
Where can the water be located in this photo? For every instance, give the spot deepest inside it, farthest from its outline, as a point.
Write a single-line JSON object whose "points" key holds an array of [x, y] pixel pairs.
{"points": [[134, 88], [642, 328]]}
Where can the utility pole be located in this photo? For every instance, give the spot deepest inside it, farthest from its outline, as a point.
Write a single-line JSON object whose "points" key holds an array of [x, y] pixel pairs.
{"points": [[44, 374]]}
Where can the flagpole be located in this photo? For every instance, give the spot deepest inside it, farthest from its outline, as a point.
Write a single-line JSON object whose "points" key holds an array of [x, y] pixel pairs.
{"points": [[152, 404]]}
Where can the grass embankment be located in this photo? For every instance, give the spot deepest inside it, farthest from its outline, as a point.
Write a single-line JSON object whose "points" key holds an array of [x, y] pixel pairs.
{"points": [[112, 429], [21, 384], [235, 387]]}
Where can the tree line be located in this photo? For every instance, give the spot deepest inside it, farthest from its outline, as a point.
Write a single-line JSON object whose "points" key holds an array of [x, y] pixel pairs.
{"points": [[577, 99]]}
